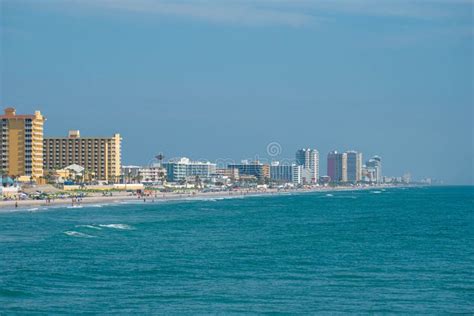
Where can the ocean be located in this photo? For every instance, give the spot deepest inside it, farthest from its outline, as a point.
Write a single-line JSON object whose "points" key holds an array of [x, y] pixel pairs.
{"points": [[401, 250]]}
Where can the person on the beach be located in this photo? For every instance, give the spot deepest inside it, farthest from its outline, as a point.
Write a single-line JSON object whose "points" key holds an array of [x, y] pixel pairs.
{"points": [[16, 204]]}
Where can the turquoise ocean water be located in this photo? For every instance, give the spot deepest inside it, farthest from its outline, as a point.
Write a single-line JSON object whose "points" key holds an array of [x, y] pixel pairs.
{"points": [[398, 250]]}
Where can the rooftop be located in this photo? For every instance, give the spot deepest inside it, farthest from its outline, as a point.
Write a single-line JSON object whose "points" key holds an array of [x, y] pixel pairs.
{"points": [[10, 113]]}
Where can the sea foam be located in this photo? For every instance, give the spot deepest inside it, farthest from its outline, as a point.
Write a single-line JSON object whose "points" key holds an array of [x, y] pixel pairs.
{"points": [[75, 206], [78, 234], [89, 226], [117, 226]]}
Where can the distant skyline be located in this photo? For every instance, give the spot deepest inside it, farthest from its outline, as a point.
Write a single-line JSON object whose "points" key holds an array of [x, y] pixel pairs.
{"points": [[210, 79]]}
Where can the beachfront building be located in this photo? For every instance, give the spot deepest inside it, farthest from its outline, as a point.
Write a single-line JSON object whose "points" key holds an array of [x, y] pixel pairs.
{"points": [[130, 173], [8, 188], [21, 148], [100, 156], [286, 173], [152, 174], [182, 168], [354, 166], [324, 180], [368, 174], [406, 178], [230, 173], [337, 167], [252, 169], [374, 166], [74, 173], [309, 160]]}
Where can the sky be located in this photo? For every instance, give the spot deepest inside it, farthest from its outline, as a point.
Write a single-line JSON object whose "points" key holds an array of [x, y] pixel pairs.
{"points": [[213, 79]]}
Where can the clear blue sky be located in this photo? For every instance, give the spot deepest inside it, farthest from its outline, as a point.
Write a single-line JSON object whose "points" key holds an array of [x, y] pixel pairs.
{"points": [[222, 79]]}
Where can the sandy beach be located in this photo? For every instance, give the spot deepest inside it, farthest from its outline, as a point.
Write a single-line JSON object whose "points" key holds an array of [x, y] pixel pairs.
{"points": [[121, 197]]}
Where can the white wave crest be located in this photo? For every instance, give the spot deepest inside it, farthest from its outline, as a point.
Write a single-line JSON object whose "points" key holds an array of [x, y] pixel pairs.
{"points": [[117, 226], [78, 234], [89, 226]]}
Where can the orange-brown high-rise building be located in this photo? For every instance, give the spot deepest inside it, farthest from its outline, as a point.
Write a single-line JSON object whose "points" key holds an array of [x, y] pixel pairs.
{"points": [[21, 147]]}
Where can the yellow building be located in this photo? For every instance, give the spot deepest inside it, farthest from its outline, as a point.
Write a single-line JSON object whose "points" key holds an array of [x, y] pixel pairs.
{"points": [[21, 148], [100, 156]]}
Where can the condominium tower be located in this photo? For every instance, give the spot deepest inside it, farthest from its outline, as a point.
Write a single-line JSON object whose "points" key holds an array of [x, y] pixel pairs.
{"points": [[309, 159], [21, 148], [354, 166], [100, 156], [374, 165], [337, 166], [286, 173]]}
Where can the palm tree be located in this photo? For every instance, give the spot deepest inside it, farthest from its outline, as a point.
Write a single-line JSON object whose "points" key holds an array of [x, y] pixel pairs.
{"points": [[138, 178], [160, 158], [198, 182], [3, 172], [49, 177]]}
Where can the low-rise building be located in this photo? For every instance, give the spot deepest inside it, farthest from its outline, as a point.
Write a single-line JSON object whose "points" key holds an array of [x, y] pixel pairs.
{"points": [[231, 173], [73, 172], [152, 174], [324, 180], [182, 168], [256, 169], [130, 172]]}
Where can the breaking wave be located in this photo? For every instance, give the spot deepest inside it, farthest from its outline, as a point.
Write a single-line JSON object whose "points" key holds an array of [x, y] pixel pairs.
{"points": [[89, 226], [117, 226], [78, 234]]}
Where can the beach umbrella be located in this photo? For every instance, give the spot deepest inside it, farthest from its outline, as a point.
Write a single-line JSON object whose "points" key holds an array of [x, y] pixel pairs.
{"points": [[7, 181]]}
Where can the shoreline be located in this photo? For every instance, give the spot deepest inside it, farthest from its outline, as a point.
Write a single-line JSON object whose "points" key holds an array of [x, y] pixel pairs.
{"points": [[24, 205]]}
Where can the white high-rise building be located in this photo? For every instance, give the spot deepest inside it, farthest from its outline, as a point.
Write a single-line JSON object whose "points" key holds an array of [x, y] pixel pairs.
{"points": [[375, 164], [309, 160], [286, 173]]}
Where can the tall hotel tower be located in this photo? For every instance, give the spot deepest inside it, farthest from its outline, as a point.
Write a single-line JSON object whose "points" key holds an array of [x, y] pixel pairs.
{"points": [[354, 166], [21, 147], [337, 166], [309, 159], [98, 155]]}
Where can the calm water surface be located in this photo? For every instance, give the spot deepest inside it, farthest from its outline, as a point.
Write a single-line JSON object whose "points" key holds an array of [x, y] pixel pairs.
{"points": [[398, 250]]}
